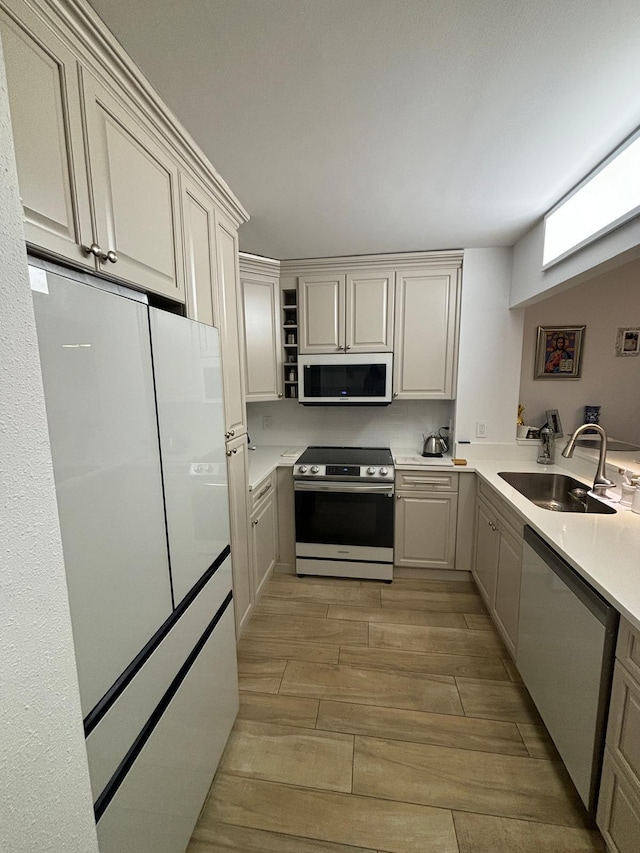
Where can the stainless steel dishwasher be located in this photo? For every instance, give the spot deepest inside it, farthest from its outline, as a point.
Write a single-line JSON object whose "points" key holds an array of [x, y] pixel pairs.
{"points": [[565, 654]]}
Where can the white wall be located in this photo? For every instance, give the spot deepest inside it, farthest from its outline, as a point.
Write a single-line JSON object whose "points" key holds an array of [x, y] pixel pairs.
{"points": [[45, 797], [401, 424], [490, 349], [603, 304], [531, 284]]}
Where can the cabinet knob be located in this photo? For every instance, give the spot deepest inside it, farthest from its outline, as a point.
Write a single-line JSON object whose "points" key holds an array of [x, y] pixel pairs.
{"points": [[280, 394], [398, 497], [93, 249], [348, 346], [338, 348], [253, 523], [228, 453], [232, 432], [395, 393], [111, 256], [234, 451]]}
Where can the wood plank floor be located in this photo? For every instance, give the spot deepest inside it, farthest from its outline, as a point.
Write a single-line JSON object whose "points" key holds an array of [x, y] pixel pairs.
{"points": [[385, 719]]}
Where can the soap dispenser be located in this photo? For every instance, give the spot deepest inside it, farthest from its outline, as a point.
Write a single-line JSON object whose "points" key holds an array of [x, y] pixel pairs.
{"points": [[547, 446]]}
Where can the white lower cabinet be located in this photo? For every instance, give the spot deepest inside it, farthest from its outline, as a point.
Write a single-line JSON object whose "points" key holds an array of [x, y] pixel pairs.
{"points": [[425, 520], [619, 801], [148, 815], [264, 532], [497, 564]]}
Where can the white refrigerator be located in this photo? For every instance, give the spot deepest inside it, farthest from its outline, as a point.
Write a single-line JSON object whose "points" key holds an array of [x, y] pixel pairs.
{"points": [[135, 413]]}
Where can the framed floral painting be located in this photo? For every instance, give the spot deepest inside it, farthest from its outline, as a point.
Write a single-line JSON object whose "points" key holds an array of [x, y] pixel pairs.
{"points": [[559, 352]]}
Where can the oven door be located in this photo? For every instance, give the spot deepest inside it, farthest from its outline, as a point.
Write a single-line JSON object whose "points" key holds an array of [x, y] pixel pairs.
{"points": [[336, 520]]}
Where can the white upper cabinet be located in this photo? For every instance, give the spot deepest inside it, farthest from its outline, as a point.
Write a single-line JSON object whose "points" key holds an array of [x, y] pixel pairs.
{"points": [[369, 312], [99, 158], [44, 98], [425, 337], [135, 194], [262, 337], [351, 312], [198, 240], [226, 294], [321, 313]]}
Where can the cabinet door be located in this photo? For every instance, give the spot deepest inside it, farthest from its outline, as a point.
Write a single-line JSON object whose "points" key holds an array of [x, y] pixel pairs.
{"points": [[507, 599], [264, 543], [198, 239], [262, 340], [243, 591], [44, 98], [369, 312], [425, 530], [618, 807], [321, 314], [485, 563], [425, 334], [226, 295], [135, 195]]}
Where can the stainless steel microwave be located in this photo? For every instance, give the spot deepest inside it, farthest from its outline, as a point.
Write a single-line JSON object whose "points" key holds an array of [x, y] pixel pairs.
{"points": [[347, 379]]}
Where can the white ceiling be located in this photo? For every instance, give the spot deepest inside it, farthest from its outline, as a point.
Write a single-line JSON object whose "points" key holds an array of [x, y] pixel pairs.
{"points": [[356, 126]]}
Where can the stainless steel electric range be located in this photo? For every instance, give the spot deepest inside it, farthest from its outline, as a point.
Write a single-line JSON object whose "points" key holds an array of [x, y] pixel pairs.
{"points": [[344, 512]]}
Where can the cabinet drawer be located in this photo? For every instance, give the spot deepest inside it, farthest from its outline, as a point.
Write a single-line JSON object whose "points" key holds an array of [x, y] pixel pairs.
{"points": [[623, 735], [618, 808], [156, 807], [426, 481], [262, 491], [628, 648], [109, 741]]}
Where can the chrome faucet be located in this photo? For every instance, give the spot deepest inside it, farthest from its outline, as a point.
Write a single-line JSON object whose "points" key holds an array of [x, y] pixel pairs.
{"points": [[600, 483]]}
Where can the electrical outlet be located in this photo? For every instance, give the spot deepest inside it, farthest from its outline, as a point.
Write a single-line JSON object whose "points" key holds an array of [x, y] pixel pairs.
{"points": [[266, 422], [481, 429]]}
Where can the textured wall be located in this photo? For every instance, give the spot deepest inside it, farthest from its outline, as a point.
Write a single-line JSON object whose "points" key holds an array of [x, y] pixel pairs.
{"points": [[45, 799]]}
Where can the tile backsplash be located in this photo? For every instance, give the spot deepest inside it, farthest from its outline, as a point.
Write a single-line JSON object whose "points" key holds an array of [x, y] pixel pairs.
{"points": [[400, 424]]}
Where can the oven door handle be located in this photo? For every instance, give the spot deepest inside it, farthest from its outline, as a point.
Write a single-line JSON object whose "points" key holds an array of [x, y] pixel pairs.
{"points": [[347, 488]]}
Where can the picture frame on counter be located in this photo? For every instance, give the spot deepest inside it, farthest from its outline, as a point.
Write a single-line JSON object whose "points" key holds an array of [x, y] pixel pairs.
{"points": [[553, 422], [559, 352]]}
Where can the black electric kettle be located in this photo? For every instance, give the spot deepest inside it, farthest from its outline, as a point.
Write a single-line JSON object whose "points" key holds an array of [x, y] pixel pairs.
{"points": [[434, 443]]}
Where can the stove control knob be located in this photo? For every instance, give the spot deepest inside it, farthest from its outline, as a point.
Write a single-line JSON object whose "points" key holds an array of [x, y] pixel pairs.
{"points": [[302, 469], [384, 472], [371, 470], [314, 469]]}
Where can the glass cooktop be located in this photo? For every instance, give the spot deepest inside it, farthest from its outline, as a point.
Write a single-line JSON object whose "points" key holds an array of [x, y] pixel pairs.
{"points": [[346, 456]]}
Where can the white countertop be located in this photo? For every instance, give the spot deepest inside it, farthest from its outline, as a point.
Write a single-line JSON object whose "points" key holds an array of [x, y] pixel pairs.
{"points": [[267, 458], [604, 549]]}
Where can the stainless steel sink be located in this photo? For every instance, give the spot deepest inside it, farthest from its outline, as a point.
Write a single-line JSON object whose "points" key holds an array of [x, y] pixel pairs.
{"points": [[556, 492]]}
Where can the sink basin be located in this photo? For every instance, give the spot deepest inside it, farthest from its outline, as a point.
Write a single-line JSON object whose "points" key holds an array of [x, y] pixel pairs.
{"points": [[555, 492]]}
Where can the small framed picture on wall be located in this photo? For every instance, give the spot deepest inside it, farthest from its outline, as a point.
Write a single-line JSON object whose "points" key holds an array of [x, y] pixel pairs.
{"points": [[628, 342], [559, 352]]}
